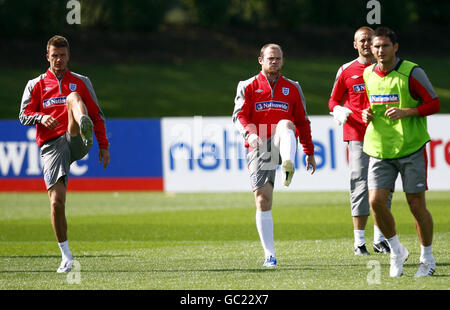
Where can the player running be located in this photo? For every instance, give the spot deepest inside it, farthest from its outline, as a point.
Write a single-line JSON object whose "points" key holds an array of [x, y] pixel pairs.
{"points": [[401, 96], [270, 113], [63, 106], [349, 88]]}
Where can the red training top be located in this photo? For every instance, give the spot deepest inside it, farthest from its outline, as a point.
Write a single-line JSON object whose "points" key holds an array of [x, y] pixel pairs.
{"points": [[46, 95], [349, 88], [259, 106]]}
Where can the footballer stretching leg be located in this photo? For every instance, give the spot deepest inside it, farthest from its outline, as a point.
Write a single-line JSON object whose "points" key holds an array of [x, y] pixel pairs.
{"points": [[286, 141]]}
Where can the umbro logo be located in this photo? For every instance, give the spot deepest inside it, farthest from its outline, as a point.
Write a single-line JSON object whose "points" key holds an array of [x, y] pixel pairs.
{"points": [[355, 76], [47, 88], [259, 91]]}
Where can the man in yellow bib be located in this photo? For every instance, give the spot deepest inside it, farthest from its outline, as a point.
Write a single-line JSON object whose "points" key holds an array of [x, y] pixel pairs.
{"points": [[400, 96]]}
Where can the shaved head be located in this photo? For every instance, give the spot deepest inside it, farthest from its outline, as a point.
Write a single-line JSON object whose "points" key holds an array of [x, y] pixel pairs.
{"points": [[363, 29]]}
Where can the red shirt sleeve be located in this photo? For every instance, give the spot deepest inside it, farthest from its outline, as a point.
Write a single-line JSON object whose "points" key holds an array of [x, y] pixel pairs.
{"points": [[421, 89], [339, 91], [29, 108], [303, 126], [95, 114]]}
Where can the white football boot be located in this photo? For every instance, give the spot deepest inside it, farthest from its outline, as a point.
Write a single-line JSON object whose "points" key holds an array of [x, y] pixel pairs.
{"points": [[86, 130], [397, 261], [426, 269], [66, 266], [287, 168]]}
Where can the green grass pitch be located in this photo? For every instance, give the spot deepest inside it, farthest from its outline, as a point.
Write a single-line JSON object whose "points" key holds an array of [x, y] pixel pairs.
{"points": [[159, 241]]}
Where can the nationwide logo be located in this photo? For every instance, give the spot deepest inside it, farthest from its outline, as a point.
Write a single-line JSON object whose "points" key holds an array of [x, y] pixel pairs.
{"points": [[380, 99], [359, 88], [275, 105], [54, 101]]}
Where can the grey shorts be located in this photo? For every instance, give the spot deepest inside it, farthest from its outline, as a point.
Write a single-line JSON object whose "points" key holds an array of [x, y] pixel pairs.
{"points": [[358, 164], [57, 155], [359, 189], [262, 164], [412, 168]]}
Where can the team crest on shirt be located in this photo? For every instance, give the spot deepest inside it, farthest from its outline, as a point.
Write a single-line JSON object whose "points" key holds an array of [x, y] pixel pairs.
{"points": [[72, 86], [359, 88], [285, 90]]}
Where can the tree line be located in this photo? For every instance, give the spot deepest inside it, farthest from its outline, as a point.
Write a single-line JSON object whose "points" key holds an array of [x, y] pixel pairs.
{"points": [[28, 17]]}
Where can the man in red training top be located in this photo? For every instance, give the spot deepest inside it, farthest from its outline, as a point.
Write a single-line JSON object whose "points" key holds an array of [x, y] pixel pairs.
{"points": [[270, 113], [64, 108], [349, 88]]}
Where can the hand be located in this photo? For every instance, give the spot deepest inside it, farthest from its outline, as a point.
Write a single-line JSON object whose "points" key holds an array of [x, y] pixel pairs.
{"points": [[311, 162], [103, 154], [367, 115], [395, 113], [49, 122], [254, 141], [340, 114]]}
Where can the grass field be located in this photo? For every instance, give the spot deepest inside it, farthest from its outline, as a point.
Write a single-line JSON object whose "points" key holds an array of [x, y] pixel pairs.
{"points": [[203, 87], [159, 241]]}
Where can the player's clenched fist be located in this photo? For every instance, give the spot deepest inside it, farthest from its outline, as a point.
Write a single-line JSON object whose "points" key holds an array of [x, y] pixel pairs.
{"points": [[49, 122], [367, 115], [254, 141]]}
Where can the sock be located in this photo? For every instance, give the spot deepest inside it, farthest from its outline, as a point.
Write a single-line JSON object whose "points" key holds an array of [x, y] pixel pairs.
{"points": [[288, 145], [377, 235], [394, 244], [359, 237], [426, 254], [264, 224], [65, 252]]}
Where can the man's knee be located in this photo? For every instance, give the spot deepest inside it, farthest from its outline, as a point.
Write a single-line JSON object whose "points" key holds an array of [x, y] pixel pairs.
{"points": [[73, 97], [285, 124], [263, 199], [378, 199], [57, 195], [416, 203], [57, 205]]}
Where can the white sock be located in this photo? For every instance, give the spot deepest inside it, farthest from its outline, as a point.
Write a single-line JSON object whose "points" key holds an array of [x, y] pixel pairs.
{"points": [[65, 252], [264, 224], [426, 254], [394, 244], [288, 145], [377, 235], [359, 237]]}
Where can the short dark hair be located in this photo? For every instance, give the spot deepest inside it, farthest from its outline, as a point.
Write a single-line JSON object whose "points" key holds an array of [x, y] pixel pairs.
{"points": [[57, 41], [386, 32]]}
